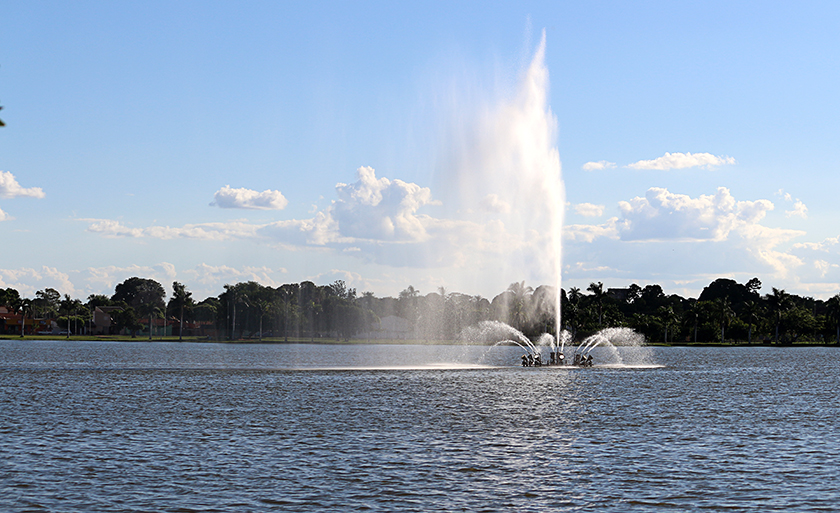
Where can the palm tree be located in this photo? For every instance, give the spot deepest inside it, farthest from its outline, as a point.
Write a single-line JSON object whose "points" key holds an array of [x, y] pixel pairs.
{"points": [[780, 302], [25, 305], [694, 310], [66, 306], [519, 308], [572, 309], [751, 312], [286, 304], [152, 311], [181, 297], [668, 317], [597, 290], [263, 306], [230, 292], [725, 313]]}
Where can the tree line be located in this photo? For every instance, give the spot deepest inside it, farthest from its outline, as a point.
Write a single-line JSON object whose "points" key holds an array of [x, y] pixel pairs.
{"points": [[725, 311]]}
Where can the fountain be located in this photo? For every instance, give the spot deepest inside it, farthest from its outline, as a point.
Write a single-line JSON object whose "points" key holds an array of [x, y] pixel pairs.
{"points": [[509, 161], [504, 173], [620, 347]]}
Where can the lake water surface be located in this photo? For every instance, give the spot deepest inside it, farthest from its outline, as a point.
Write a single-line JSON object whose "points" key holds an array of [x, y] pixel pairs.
{"points": [[96, 426]]}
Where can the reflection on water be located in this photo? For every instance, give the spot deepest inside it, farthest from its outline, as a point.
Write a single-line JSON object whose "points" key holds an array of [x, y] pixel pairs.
{"points": [[183, 427]]}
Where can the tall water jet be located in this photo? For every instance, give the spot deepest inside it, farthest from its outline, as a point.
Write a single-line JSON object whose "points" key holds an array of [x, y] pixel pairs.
{"points": [[509, 179]]}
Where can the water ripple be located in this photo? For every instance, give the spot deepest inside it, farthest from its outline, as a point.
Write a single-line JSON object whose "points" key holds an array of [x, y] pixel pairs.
{"points": [[708, 429]]}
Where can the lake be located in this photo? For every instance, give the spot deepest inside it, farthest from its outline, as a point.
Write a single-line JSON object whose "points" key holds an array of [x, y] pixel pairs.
{"points": [[99, 426]]}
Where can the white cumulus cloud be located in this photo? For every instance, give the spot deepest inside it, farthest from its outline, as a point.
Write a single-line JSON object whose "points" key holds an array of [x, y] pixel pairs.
{"points": [[590, 232], [823, 267], [589, 210], [597, 166], [10, 188], [823, 247], [380, 209], [663, 215], [681, 161], [103, 280], [28, 280], [228, 197], [374, 209], [799, 210]]}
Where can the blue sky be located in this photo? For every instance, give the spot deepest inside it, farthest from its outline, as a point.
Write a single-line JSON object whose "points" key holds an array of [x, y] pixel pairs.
{"points": [[390, 145]]}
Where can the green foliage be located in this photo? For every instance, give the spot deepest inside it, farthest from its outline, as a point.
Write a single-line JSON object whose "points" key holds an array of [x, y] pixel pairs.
{"points": [[127, 319], [736, 293], [10, 297], [95, 300], [46, 303], [141, 294], [725, 312]]}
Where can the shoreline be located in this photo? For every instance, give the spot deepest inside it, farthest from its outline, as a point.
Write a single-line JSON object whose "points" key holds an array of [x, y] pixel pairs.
{"points": [[323, 341]]}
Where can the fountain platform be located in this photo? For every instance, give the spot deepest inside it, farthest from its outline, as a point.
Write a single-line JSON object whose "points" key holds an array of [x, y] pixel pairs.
{"points": [[556, 359]]}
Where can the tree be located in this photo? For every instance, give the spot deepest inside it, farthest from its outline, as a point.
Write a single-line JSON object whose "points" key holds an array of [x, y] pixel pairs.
{"points": [[339, 289], [209, 310], [181, 298], [667, 317], [753, 286], [127, 319], [263, 306], [67, 305], [25, 305], [572, 309], [47, 302], [144, 295], [138, 291], [9, 296], [287, 307], [752, 312], [724, 312], [799, 322], [598, 294], [407, 306], [833, 314], [736, 293], [310, 303], [634, 292], [693, 314], [519, 303], [651, 298], [705, 314], [95, 300], [779, 302]]}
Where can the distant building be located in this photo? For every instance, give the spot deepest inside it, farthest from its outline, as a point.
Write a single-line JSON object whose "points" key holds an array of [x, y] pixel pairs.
{"points": [[102, 324], [10, 323]]}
